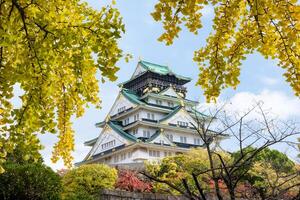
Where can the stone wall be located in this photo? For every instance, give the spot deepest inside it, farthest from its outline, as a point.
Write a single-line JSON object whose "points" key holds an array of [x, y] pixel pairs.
{"points": [[124, 195]]}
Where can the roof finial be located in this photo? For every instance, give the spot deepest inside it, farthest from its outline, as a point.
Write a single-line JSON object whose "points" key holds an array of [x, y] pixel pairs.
{"points": [[182, 103], [107, 119], [140, 58]]}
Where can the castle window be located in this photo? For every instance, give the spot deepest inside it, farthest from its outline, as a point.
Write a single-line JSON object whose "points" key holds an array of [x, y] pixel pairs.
{"points": [[182, 139], [170, 104], [116, 158], [158, 102], [170, 137], [157, 154], [108, 144], [135, 131], [126, 121], [121, 109], [181, 123], [136, 117], [146, 134], [152, 116], [168, 153], [153, 153], [197, 141], [123, 156]]}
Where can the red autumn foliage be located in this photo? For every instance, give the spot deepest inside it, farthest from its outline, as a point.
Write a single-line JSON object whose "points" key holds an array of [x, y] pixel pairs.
{"points": [[221, 184], [129, 181]]}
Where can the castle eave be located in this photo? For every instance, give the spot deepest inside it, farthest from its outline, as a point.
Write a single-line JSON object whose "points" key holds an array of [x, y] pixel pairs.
{"points": [[120, 149], [158, 125], [166, 97], [90, 142]]}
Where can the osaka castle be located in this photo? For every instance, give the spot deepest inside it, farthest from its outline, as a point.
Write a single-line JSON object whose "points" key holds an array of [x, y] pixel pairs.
{"points": [[150, 119]]}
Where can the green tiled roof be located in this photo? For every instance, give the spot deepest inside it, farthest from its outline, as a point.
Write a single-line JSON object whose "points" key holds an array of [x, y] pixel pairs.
{"points": [[160, 69], [131, 96], [177, 108], [197, 113], [120, 131], [90, 142], [100, 124], [161, 96], [155, 135]]}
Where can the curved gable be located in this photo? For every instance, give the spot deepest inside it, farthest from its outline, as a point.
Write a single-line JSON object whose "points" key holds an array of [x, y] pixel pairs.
{"points": [[170, 92], [160, 138], [178, 115], [110, 138], [138, 70], [121, 103]]}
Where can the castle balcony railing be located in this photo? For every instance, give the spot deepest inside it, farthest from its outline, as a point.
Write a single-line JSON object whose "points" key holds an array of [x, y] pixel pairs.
{"points": [[149, 120]]}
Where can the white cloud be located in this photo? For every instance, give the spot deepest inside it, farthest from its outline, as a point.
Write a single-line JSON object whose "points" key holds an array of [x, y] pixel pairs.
{"points": [[277, 103]]}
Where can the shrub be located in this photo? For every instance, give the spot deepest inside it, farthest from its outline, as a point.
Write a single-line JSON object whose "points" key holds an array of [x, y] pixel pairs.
{"points": [[29, 181], [129, 181], [85, 182]]}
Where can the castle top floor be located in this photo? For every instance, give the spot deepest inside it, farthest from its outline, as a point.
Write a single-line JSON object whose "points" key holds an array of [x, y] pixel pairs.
{"points": [[150, 77]]}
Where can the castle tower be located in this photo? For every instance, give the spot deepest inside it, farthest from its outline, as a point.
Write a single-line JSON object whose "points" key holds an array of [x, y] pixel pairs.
{"points": [[150, 119]]}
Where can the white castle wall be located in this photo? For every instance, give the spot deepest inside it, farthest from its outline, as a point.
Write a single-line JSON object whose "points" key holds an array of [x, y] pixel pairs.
{"points": [[163, 102], [176, 136], [142, 114], [138, 155], [120, 103], [108, 135]]}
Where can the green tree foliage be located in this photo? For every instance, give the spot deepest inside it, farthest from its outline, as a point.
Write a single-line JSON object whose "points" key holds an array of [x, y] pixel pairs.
{"points": [[29, 181], [52, 50], [273, 175], [239, 28], [269, 174], [278, 161], [17, 156], [176, 173], [85, 182], [274, 158]]}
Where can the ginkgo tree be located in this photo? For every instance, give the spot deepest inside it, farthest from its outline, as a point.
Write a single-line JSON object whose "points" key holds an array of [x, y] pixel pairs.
{"points": [[52, 50], [240, 27]]}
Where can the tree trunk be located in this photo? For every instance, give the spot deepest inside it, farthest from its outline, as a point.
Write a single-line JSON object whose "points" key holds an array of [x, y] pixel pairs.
{"points": [[262, 194], [231, 193], [215, 179], [199, 187]]}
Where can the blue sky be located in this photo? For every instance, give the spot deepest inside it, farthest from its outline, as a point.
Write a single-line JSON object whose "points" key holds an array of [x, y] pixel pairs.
{"points": [[260, 78]]}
